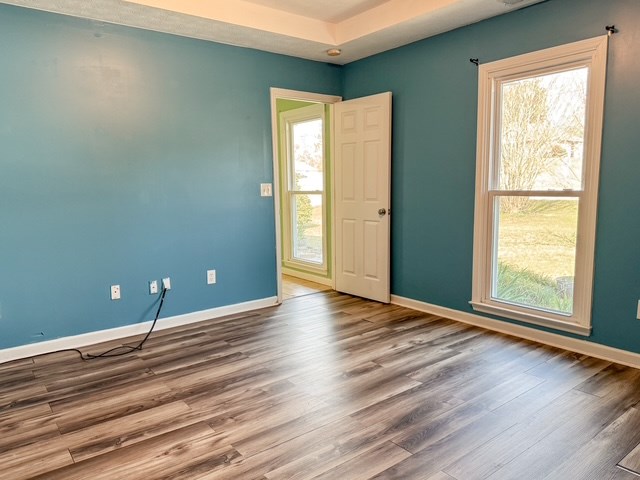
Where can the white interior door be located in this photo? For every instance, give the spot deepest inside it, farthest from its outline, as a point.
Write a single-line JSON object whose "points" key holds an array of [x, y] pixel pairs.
{"points": [[362, 174]]}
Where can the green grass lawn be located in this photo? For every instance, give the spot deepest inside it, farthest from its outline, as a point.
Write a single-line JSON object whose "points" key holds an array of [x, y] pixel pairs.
{"points": [[536, 248]]}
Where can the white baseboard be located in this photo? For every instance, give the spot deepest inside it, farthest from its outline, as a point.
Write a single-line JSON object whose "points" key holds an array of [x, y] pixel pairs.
{"points": [[573, 344], [90, 338]]}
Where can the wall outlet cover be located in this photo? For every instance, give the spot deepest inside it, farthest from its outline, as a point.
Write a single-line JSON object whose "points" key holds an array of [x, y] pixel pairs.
{"points": [[211, 277], [266, 190]]}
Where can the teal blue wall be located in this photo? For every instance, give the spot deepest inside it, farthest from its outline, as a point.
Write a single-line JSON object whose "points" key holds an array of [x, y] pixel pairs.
{"points": [[435, 105], [128, 155]]}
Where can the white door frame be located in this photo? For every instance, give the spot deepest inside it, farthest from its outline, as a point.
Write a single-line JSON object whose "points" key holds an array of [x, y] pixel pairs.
{"points": [[277, 93]]}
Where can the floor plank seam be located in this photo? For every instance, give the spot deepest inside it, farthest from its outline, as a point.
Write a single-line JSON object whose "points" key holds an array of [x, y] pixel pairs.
{"points": [[637, 474]]}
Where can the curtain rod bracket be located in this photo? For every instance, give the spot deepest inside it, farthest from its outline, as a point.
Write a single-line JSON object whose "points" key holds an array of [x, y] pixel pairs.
{"points": [[474, 61], [611, 29]]}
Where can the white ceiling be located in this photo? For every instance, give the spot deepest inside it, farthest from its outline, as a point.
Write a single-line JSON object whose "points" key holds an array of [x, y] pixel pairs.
{"points": [[301, 28], [331, 11]]}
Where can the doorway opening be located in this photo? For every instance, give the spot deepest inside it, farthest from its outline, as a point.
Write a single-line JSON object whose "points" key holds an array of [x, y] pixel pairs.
{"points": [[302, 145], [332, 214]]}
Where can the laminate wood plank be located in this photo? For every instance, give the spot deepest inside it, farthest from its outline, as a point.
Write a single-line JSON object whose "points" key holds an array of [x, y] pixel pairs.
{"points": [[527, 404], [434, 457], [567, 364], [422, 433], [259, 429], [620, 474], [17, 365], [27, 462], [311, 453], [158, 457], [89, 376], [611, 380], [326, 385], [592, 461], [359, 391], [407, 409], [10, 419], [564, 442], [401, 318], [250, 440], [20, 398], [367, 464], [499, 392], [124, 431], [388, 340], [30, 426], [15, 379], [193, 348], [632, 460], [502, 449], [82, 412], [46, 397], [176, 366], [282, 453]]}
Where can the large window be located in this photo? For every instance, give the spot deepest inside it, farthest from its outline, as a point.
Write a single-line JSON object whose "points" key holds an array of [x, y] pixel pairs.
{"points": [[305, 205], [539, 134]]}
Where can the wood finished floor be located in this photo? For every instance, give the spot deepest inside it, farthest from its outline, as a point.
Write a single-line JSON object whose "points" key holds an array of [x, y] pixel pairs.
{"points": [[296, 287], [325, 386]]}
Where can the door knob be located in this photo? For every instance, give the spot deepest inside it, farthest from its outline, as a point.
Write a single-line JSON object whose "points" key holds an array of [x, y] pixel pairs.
{"points": [[382, 212]]}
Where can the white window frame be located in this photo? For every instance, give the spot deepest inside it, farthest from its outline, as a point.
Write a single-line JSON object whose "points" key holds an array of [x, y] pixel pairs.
{"points": [[287, 119], [591, 53]]}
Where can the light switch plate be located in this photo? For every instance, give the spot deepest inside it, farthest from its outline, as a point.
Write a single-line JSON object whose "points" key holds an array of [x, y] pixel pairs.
{"points": [[115, 292]]}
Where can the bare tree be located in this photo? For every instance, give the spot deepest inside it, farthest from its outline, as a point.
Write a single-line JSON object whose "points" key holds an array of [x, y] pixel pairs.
{"points": [[540, 118]]}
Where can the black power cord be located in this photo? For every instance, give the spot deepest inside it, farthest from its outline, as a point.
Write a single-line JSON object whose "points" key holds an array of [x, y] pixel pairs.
{"points": [[130, 348], [113, 352]]}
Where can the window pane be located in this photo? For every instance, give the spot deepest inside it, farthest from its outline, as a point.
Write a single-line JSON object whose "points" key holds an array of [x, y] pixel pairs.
{"points": [[542, 132], [307, 155], [535, 251], [307, 228]]}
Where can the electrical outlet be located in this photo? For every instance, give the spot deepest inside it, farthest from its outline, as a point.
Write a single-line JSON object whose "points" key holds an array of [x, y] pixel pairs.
{"points": [[115, 292], [153, 287], [638, 312], [166, 283], [266, 190], [211, 277]]}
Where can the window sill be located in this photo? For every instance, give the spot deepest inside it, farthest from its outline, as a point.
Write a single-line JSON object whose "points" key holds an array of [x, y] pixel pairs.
{"points": [[540, 320]]}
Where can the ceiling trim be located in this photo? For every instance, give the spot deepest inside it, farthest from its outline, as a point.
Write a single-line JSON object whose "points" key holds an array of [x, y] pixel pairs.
{"points": [[244, 23], [250, 15]]}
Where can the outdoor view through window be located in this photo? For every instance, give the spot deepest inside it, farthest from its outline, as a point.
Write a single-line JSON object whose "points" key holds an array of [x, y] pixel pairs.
{"points": [[307, 191], [536, 182]]}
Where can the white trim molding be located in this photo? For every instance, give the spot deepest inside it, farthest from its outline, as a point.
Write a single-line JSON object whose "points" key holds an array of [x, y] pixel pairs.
{"points": [[584, 347], [77, 341]]}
